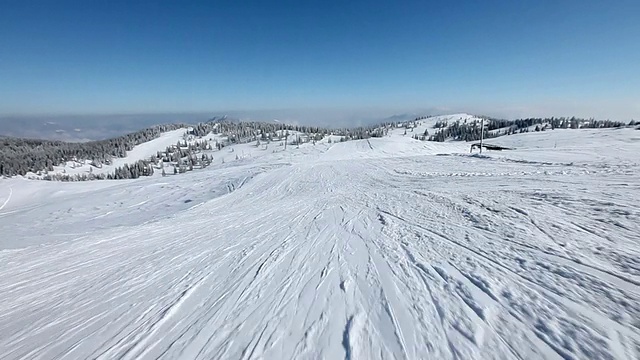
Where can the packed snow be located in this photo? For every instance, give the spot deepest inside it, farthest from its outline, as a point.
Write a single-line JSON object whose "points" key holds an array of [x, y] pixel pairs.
{"points": [[372, 249]]}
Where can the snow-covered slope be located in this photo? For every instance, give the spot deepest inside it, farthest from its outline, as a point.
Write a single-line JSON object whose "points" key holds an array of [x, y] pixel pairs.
{"points": [[140, 152], [387, 248], [418, 127]]}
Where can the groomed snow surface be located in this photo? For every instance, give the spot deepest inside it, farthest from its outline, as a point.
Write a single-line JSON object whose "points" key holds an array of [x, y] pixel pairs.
{"points": [[386, 248]]}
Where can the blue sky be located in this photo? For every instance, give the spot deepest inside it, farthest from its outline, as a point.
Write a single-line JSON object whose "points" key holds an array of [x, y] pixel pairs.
{"points": [[504, 58]]}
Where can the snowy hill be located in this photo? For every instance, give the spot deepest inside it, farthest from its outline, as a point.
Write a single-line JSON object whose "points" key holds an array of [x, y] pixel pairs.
{"points": [[431, 124], [178, 148], [158, 153], [140, 152], [382, 248]]}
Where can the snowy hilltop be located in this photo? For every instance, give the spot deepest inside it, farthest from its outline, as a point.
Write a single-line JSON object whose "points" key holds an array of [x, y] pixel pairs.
{"points": [[386, 242]]}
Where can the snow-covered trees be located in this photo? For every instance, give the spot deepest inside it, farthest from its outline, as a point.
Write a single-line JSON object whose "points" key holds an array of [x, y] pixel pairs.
{"points": [[497, 127], [20, 156]]}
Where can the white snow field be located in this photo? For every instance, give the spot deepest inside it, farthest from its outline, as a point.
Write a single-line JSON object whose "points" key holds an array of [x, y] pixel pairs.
{"points": [[379, 249]]}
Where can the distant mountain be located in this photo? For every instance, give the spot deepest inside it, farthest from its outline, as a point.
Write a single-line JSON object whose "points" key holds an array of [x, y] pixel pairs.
{"points": [[80, 128], [401, 117], [225, 119]]}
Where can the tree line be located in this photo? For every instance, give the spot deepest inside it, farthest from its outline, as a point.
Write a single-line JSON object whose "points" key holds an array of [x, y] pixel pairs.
{"points": [[471, 130], [20, 156]]}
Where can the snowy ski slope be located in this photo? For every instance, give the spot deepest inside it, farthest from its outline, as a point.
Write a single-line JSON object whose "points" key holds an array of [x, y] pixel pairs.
{"points": [[140, 152], [381, 248]]}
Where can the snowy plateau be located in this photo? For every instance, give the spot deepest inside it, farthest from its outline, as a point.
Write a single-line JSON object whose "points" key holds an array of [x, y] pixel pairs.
{"points": [[386, 248]]}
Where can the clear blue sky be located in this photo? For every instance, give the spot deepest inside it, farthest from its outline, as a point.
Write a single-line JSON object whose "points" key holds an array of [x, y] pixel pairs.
{"points": [[493, 57]]}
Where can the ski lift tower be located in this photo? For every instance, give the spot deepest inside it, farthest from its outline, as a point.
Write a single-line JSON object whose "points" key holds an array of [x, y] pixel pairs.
{"points": [[481, 133]]}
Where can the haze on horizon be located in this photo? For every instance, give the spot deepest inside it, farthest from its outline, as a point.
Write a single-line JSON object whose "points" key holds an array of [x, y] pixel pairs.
{"points": [[345, 63]]}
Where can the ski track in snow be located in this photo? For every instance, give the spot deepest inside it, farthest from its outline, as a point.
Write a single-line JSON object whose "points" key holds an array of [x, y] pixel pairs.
{"points": [[334, 251], [7, 200]]}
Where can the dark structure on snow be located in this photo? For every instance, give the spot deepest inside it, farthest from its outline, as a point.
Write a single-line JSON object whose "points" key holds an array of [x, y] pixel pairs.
{"points": [[489, 147]]}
